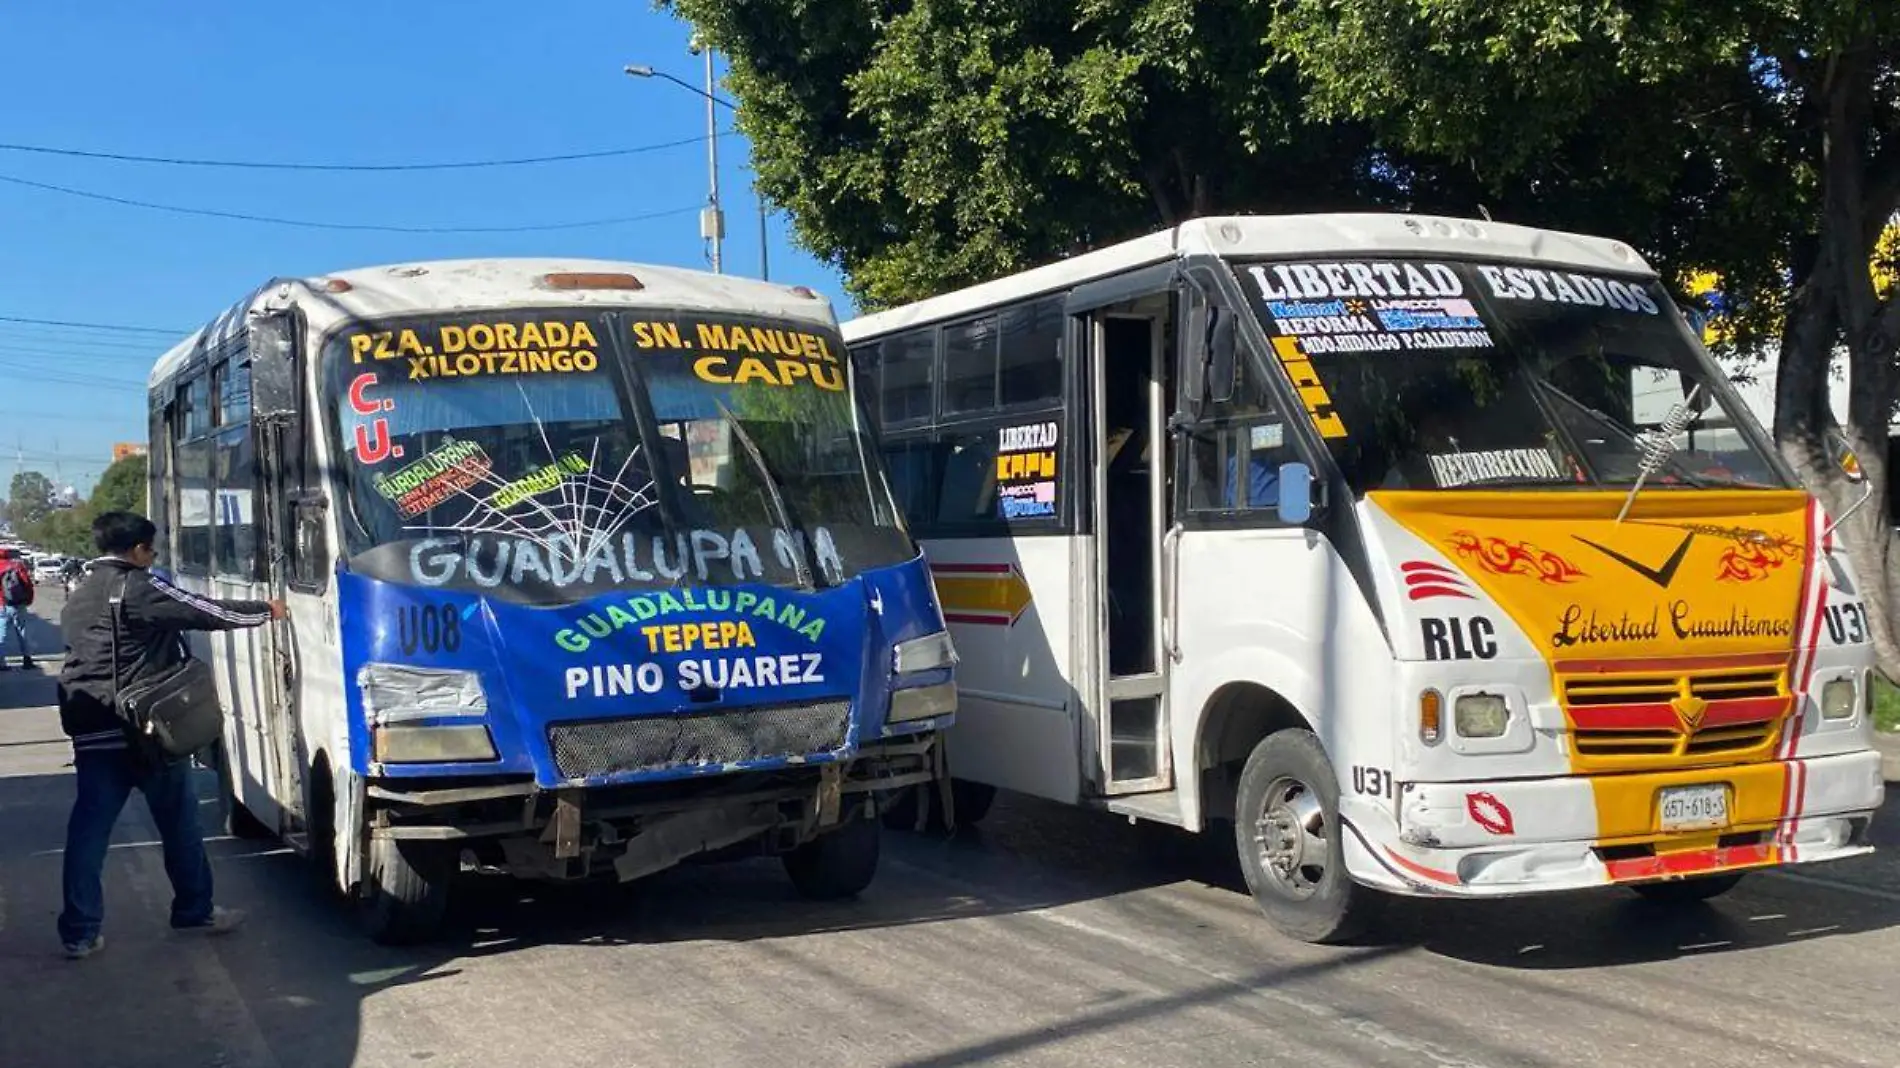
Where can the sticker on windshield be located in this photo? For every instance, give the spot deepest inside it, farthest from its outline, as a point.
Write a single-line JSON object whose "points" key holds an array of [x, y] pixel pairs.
{"points": [[1026, 471], [467, 350], [1567, 287], [742, 354], [1452, 469], [1370, 306], [434, 479]]}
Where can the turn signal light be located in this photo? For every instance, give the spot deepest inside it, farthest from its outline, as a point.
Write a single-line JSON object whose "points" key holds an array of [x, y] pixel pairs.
{"points": [[1431, 713]]}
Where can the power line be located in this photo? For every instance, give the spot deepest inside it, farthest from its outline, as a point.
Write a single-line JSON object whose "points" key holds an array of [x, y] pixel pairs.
{"points": [[93, 326], [448, 165], [312, 224]]}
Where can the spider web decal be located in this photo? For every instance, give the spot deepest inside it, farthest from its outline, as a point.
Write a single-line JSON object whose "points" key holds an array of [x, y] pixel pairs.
{"points": [[590, 506]]}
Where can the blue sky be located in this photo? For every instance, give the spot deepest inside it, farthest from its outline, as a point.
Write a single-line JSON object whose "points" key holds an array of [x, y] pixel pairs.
{"points": [[343, 83]]}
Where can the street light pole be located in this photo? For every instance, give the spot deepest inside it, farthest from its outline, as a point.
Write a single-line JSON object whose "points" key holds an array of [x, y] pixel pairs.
{"points": [[712, 220]]}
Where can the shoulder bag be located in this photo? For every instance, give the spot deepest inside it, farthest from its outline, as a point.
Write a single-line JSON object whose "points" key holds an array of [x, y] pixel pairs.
{"points": [[174, 708]]}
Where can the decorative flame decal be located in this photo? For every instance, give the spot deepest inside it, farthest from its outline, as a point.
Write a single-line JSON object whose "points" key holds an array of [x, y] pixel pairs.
{"points": [[1490, 813], [1752, 560], [1501, 556]]}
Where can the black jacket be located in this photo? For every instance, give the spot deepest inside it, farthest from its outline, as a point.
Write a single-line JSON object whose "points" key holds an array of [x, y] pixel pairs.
{"points": [[153, 616]]}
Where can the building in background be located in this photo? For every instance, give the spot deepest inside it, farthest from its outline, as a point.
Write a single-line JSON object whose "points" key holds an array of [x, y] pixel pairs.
{"points": [[127, 448]]}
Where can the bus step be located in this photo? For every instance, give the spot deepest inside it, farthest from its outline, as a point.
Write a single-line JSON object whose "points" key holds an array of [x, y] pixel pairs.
{"points": [[1163, 807]]}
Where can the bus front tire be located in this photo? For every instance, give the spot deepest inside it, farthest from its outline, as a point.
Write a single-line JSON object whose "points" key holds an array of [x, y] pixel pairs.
{"points": [[1687, 891], [839, 864], [1288, 834], [406, 892]]}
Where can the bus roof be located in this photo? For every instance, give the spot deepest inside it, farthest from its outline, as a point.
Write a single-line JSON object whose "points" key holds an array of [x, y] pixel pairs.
{"points": [[1354, 234], [450, 285]]}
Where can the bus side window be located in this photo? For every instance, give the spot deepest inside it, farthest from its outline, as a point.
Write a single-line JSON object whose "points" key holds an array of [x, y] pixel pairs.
{"points": [[193, 468], [307, 539], [907, 377], [1235, 450]]}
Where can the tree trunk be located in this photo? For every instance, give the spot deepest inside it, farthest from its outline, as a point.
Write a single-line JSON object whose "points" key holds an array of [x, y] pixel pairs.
{"points": [[1835, 300]]}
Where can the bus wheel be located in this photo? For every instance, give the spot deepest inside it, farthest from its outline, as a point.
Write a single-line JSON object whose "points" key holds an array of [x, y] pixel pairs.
{"points": [[838, 864], [238, 820], [406, 892], [1287, 830], [1687, 891]]}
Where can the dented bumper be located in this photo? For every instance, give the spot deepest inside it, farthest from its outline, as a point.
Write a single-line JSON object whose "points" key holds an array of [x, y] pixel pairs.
{"points": [[1535, 835]]}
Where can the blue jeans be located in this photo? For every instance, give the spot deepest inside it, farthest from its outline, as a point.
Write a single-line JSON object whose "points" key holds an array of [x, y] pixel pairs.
{"points": [[105, 778], [13, 619]]}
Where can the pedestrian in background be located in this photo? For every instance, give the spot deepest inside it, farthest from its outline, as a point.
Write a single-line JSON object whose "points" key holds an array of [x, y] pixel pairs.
{"points": [[16, 596], [122, 601]]}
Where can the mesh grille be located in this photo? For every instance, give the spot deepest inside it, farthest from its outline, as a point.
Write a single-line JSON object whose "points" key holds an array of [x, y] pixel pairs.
{"points": [[653, 743]]}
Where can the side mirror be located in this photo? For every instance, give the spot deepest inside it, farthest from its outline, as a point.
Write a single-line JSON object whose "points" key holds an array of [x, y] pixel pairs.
{"points": [[1220, 355], [1194, 353], [1296, 493], [274, 385]]}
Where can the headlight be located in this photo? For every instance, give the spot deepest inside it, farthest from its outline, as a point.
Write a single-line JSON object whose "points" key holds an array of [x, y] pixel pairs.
{"points": [[923, 702], [928, 653], [394, 693], [1837, 699], [432, 745], [1480, 715]]}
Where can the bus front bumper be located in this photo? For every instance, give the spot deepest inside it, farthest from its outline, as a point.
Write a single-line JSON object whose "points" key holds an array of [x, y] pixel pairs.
{"points": [[1521, 836]]}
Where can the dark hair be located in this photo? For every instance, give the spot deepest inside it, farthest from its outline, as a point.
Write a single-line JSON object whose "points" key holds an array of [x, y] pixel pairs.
{"points": [[121, 532]]}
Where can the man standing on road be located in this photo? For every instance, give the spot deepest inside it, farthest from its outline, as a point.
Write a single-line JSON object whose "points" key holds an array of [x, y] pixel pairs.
{"points": [[108, 759], [16, 595]]}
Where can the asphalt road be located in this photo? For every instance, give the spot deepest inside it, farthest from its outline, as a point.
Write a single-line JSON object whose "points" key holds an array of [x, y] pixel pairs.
{"points": [[1047, 936]]}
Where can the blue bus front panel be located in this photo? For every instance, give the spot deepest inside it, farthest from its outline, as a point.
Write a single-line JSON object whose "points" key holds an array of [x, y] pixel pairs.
{"points": [[633, 686]]}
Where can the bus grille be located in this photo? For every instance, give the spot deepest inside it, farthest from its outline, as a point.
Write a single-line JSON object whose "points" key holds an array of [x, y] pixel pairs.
{"points": [[1629, 722], [656, 743]]}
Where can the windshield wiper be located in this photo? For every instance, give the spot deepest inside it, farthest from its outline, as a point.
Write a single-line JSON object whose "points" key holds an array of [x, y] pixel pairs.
{"points": [[1661, 447], [800, 566]]}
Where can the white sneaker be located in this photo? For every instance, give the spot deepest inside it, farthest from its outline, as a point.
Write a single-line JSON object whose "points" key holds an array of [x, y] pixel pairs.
{"points": [[222, 921]]}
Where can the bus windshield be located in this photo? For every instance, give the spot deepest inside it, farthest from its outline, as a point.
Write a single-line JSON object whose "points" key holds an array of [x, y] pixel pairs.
{"points": [[549, 456], [1426, 375]]}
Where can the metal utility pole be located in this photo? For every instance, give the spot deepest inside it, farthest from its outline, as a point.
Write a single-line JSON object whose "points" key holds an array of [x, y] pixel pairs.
{"points": [[712, 220]]}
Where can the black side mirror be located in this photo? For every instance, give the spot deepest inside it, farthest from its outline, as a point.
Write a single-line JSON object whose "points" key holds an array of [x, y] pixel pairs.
{"points": [[1194, 353], [1220, 355], [274, 385]]}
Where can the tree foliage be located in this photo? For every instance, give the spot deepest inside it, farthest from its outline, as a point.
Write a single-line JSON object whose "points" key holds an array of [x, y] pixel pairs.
{"points": [[29, 498], [121, 488], [924, 146]]}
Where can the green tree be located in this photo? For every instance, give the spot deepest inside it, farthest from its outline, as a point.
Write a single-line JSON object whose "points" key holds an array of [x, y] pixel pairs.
{"points": [[1761, 140], [921, 147], [63, 530], [29, 499], [121, 488]]}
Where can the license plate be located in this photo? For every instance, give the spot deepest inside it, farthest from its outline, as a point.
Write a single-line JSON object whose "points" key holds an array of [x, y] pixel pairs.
{"points": [[1686, 808]]}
